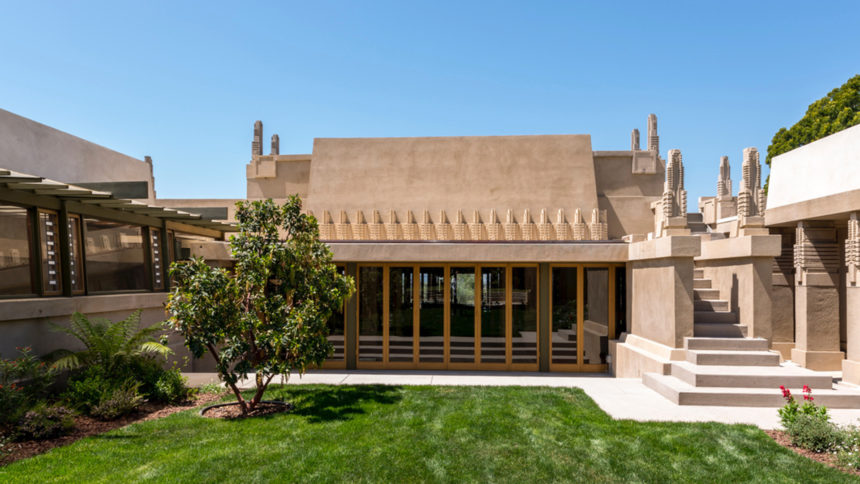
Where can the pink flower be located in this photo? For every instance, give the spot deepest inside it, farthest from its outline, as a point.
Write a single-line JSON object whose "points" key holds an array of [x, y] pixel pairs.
{"points": [[806, 389], [786, 393]]}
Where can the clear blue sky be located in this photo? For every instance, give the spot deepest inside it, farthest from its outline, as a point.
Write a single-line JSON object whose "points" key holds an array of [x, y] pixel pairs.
{"points": [[184, 81]]}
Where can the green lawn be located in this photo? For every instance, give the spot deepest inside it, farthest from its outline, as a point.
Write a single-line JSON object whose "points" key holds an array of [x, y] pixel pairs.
{"points": [[407, 434]]}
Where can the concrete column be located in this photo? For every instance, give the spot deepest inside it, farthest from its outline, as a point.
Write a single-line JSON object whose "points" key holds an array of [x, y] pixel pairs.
{"points": [[544, 326], [816, 299], [782, 307], [662, 289], [350, 332], [851, 366]]}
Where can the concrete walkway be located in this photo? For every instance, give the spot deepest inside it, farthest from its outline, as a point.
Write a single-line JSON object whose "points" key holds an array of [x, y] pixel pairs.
{"points": [[622, 398]]}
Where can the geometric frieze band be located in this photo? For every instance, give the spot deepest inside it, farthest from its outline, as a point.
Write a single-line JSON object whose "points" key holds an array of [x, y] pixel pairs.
{"points": [[375, 227]]}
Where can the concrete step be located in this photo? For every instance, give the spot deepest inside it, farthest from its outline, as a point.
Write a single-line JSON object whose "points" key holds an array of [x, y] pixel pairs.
{"points": [[695, 217], [719, 330], [714, 317], [726, 344], [701, 283], [698, 273], [733, 358], [770, 377], [682, 393], [711, 305], [706, 294], [697, 228]]}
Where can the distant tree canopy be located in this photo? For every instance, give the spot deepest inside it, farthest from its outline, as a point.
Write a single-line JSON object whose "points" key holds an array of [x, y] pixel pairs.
{"points": [[838, 110]]}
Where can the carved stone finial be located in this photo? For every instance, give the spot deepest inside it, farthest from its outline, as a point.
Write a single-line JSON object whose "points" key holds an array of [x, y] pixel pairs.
{"points": [[653, 139], [724, 183], [579, 227], [276, 145], [257, 143], [674, 195], [634, 140], [751, 197]]}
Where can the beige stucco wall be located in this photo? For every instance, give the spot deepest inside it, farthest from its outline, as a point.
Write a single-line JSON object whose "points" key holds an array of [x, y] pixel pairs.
{"points": [[29, 322], [454, 173], [626, 195], [36, 149], [662, 289], [477, 252], [278, 176]]}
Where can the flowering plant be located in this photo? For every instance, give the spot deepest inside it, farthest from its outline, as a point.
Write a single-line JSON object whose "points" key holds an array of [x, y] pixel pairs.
{"points": [[788, 414]]}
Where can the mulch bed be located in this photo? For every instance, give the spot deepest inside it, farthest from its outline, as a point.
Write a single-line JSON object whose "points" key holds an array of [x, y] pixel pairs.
{"points": [[86, 426], [230, 412], [782, 438]]}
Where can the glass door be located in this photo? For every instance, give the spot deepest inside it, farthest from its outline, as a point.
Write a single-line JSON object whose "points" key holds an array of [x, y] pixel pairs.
{"points": [[431, 316]]}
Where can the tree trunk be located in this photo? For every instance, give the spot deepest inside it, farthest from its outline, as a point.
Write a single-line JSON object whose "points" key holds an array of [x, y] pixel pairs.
{"points": [[242, 404]]}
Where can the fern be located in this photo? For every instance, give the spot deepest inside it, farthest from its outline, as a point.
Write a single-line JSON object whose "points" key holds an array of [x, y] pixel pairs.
{"points": [[108, 344]]}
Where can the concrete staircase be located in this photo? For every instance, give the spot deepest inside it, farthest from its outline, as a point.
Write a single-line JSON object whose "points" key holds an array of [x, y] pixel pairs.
{"points": [[742, 372], [712, 316]]}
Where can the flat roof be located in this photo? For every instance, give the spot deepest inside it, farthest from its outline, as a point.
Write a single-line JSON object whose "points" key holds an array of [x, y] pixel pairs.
{"points": [[42, 186]]}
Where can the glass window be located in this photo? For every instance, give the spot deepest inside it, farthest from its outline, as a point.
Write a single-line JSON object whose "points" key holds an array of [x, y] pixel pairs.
{"points": [[400, 328], [115, 257], [493, 315], [156, 255], [524, 314], [595, 327], [336, 324], [370, 313], [49, 228], [620, 301], [462, 315], [15, 271], [76, 262], [431, 300], [564, 315]]}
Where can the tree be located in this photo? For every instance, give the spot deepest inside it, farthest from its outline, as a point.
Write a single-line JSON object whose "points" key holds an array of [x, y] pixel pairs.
{"points": [[269, 315], [838, 110]]}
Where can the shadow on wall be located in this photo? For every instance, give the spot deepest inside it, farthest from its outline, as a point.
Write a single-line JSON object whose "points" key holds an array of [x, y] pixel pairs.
{"points": [[735, 299]]}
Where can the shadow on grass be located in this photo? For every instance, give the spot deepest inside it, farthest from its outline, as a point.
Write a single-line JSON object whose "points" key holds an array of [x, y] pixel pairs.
{"points": [[325, 404]]}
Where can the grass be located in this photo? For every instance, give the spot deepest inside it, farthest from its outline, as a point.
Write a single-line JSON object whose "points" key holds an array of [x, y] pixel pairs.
{"points": [[440, 434]]}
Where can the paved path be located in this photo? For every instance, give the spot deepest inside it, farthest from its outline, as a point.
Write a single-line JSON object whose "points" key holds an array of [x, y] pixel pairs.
{"points": [[622, 398]]}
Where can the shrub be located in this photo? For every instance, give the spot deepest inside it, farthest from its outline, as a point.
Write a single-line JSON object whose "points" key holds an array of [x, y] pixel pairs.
{"points": [[44, 422], [171, 387], [86, 390], [789, 413], [13, 404], [24, 381], [848, 450], [121, 401], [109, 345], [813, 433]]}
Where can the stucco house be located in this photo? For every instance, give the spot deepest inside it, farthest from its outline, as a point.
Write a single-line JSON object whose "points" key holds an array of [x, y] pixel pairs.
{"points": [[511, 253]]}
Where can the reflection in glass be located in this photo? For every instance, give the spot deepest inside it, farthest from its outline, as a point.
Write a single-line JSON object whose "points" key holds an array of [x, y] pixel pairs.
{"points": [[564, 315], [524, 314], [15, 272], [492, 315], [431, 316], [76, 262], [115, 258], [370, 314], [620, 301], [336, 325], [400, 329], [49, 234], [595, 328], [462, 314]]}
